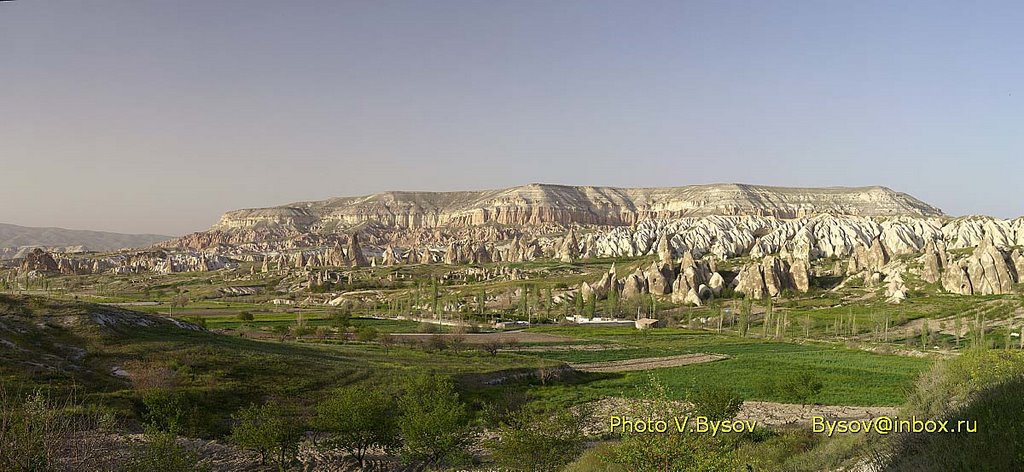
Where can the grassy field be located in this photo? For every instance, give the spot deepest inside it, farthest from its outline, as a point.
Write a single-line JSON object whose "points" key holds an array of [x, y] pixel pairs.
{"points": [[850, 377]]}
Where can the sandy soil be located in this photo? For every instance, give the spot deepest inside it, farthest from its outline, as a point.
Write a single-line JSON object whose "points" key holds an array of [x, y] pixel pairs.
{"points": [[646, 363]]}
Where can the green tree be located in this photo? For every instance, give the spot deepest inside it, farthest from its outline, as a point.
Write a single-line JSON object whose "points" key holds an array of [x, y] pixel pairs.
{"points": [[745, 310], [358, 418], [267, 430], [612, 302], [539, 440], [435, 425], [686, 452]]}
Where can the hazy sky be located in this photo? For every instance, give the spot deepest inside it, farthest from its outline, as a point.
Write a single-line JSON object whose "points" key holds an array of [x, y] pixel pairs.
{"points": [[157, 116]]}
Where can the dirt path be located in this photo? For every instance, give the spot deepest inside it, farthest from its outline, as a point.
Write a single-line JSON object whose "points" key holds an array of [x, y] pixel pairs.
{"points": [[781, 414], [646, 363], [765, 413], [481, 338]]}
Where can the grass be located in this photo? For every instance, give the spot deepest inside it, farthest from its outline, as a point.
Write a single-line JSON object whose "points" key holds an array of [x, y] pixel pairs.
{"points": [[850, 377]]}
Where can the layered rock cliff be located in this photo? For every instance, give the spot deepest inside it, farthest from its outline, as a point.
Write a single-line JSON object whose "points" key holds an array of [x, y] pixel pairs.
{"points": [[559, 204]]}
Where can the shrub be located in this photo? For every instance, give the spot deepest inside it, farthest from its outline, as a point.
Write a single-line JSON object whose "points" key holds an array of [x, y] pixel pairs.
{"points": [[802, 388], [35, 431], [366, 334], [162, 452], [166, 410], [436, 342], [492, 347], [427, 328], [717, 402], [245, 316]]}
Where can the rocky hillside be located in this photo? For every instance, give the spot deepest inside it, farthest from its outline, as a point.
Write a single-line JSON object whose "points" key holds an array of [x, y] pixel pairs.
{"points": [[536, 204], [13, 238]]}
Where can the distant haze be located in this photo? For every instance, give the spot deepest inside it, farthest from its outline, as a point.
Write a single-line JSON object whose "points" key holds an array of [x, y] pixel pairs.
{"points": [[156, 116]]}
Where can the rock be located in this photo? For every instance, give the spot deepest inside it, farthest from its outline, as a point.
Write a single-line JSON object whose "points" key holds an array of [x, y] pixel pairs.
{"points": [[776, 277], [569, 249], [716, 283], [1017, 259], [355, 252], [955, 280], [692, 298], [659, 279], [872, 258], [931, 264], [634, 285], [39, 261], [988, 271], [895, 288], [664, 250], [800, 275], [750, 282], [390, 257]]}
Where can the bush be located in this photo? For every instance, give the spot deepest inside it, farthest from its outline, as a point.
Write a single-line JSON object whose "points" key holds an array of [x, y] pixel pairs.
{"points": [[162, 452], [366, 334], [802, 388], [245, 316], [435, 424], [166, 410], [427, 328], [35, 431], [436, 343], [717, 402], [357, 418]]}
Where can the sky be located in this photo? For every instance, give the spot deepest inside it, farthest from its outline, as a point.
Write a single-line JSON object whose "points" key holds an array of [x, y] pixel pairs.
{"points": [[156, 116]]}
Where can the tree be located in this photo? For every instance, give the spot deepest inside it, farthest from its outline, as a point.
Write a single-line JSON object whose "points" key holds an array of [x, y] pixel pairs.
{"points": [[539, 440], [613, 302], [492, 347], [245, 316], [669, 452], [358, 418], [745, 310], [341, 318], [267, 430], [435, 424]]}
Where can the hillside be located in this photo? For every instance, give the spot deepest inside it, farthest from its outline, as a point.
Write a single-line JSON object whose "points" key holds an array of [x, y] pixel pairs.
{"points": [[561, 204], [13, 237]]}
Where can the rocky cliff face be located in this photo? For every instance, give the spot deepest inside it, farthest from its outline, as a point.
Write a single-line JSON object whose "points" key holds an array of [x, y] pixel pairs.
{"points": [[539, 204]]}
